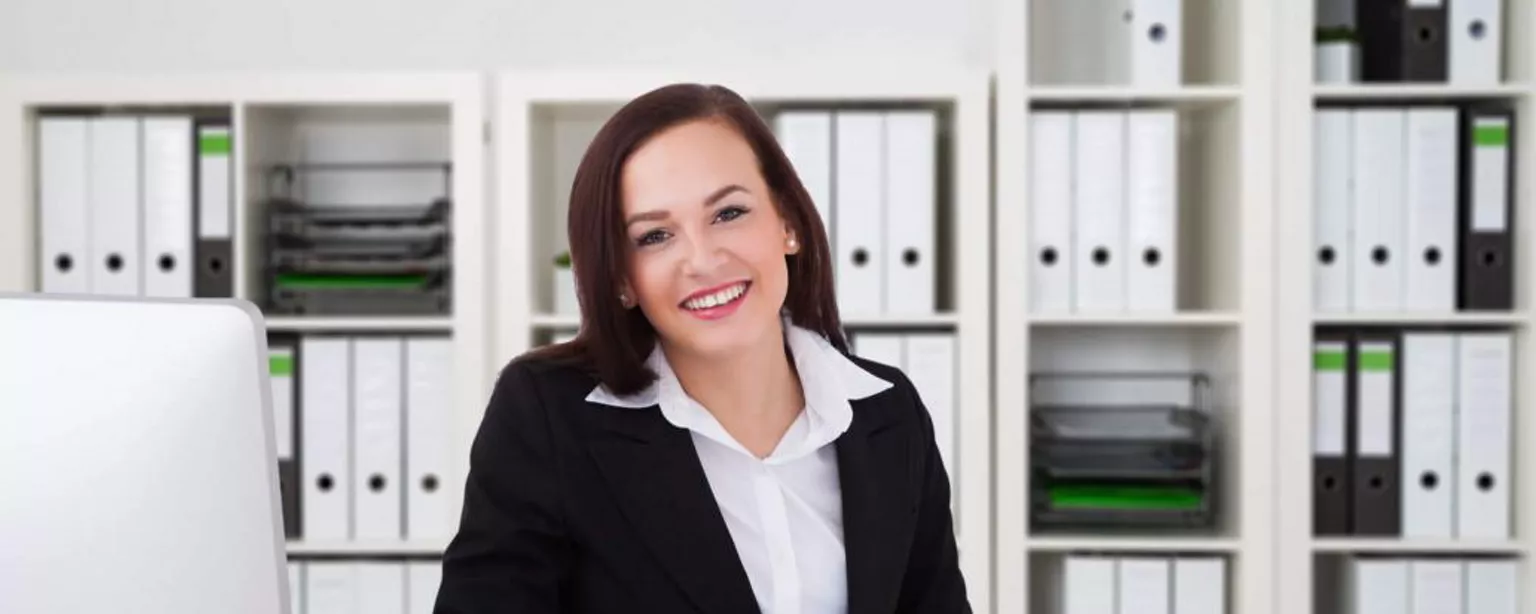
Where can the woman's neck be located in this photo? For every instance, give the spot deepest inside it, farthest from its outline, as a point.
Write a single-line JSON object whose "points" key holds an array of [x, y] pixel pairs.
{"points": [[754, 394]]}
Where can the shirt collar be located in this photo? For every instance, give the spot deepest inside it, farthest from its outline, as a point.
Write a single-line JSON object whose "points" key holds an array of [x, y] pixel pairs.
{"points": [[829, 381]]}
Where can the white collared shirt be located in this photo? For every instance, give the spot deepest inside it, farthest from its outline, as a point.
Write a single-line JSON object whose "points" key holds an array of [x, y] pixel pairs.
{"points": [[784, 512]]}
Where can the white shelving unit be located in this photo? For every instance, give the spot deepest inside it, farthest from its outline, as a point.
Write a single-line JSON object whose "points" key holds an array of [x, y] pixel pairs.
{"points": [[284, 118], [1308, 566], [545, 120], [1055, 54]]}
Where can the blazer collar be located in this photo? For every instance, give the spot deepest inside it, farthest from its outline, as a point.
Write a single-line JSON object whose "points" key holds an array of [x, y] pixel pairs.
{"points": [[829, 381], [650, 464]]}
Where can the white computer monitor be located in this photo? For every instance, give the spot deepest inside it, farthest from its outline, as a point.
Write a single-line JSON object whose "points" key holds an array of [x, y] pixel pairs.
{"points": [[137, 461]]}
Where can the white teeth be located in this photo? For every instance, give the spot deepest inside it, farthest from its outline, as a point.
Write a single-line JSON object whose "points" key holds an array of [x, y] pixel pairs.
{"points": [[719, 298]]}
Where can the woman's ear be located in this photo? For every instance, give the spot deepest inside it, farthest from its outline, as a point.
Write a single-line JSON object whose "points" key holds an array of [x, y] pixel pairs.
{"points": [[627, 296], [791, 242]]}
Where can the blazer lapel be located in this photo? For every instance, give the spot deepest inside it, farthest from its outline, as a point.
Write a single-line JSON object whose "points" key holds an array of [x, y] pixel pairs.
{"points": [[653, 469], [875, 468]]}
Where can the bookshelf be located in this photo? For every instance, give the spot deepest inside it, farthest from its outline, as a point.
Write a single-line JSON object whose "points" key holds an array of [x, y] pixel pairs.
{"points": [[1219, 322], [1310, 567], [299, 119], [545, 119]]}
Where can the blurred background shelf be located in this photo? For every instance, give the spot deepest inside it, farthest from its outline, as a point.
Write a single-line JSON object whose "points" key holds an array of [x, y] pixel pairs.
{"points": [[1149, 544], [1411, 91], [344, 324], [366, 549], [1187, 320], [1416, 547]]}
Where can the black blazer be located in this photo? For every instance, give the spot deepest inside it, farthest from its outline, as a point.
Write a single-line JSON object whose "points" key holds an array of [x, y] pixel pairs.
{"points": [[575, 507]]}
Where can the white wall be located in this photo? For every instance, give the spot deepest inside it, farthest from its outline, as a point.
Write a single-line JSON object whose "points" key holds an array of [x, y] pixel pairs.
{"points": [[187, 35]]}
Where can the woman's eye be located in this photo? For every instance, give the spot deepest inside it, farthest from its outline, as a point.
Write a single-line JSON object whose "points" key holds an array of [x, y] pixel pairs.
{"points": [[652, 237], [730, 213]]}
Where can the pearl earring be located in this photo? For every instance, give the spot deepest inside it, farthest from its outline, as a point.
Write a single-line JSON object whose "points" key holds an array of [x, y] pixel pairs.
{"points": [[792, 243]]}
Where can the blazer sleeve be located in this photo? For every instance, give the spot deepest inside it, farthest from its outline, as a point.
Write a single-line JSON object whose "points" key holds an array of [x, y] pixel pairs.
{"points": [[511, 553], [933, 583]]}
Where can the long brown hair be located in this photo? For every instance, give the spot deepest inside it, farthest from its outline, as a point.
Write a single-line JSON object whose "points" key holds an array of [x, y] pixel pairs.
{"points": [[614, 342]]}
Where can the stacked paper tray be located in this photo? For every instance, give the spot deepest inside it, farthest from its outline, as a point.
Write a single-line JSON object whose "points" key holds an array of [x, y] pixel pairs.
{"points": [[359, 260], [1104, 464]]}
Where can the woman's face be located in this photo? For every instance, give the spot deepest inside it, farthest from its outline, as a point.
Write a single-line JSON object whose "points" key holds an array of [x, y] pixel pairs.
{"points": [[706, 242]]}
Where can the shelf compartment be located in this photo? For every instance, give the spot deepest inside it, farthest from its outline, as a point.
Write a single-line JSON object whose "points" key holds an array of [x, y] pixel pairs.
{"points": [[1201, 189], [384, 164], [1077, 42], [1094, 578], [1130, 451], [1131, 351]]}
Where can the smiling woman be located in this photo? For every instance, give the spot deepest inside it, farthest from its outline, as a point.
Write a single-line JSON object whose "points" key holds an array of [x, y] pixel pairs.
{"points": [[681, 175], [706, 443]]}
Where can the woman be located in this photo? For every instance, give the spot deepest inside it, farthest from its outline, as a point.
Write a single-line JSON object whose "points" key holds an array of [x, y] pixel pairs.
{"points": [[705, 444]]}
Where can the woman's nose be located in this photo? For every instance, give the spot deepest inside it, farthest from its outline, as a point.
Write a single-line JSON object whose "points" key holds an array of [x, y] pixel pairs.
{"points": [[702, 254]]}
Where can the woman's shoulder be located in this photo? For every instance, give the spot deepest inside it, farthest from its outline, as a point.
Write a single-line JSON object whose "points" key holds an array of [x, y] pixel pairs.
{"points": [[545, 375]]}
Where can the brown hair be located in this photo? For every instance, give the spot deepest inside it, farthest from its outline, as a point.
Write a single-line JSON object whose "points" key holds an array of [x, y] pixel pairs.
{"points": [[614, 342]]}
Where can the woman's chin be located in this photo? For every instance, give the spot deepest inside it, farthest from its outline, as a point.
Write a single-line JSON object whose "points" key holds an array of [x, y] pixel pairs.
{"points": [[722, 337]]}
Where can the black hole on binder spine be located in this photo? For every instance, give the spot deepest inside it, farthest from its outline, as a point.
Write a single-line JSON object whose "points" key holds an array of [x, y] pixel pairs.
{"points": [[1048, 256], [1477, 28], [1426, 35], [1157, 32], [1376, 482], [429, 483], [1325, 255], [860, 256], [63, 262], [114, 263], [376, 483], [325, 482], [1429, 480], [1151, 256], [1379, 255], [215, 264], [1330, 483], [1484, 481], [167, 262], [1100, 256], [1432, 255], [909, 256], [1489, 257]]}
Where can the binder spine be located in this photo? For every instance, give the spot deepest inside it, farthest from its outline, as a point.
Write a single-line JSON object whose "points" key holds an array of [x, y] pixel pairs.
{"points": [[285, 387], [1425, 46], [214, 217], [1331, 466], [1402, 41], [1487, 189], [1376, 425]]}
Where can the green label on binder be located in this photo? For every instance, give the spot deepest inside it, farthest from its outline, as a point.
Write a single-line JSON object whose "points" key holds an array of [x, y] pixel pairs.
{"points": [[280, 364], [1328, 360], [1491, 135], [214, 143], [1376, 361]]}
